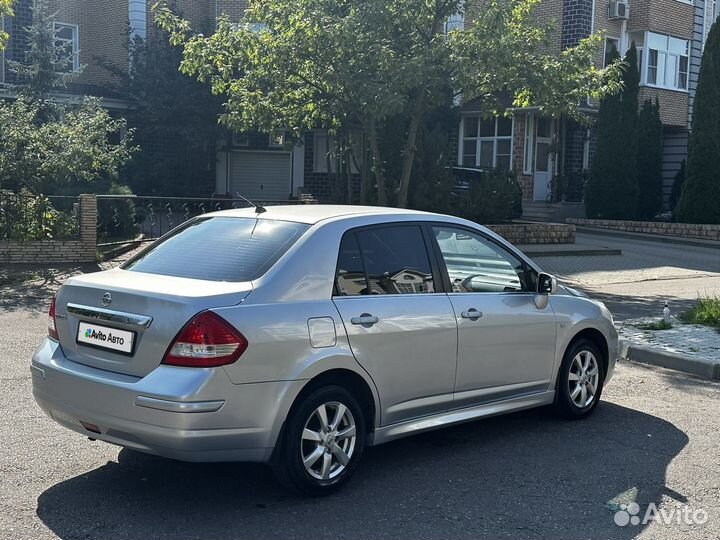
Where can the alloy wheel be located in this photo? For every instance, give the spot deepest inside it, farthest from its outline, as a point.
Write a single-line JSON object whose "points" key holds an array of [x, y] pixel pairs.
{"points": [[328, 440], [583, 379]]}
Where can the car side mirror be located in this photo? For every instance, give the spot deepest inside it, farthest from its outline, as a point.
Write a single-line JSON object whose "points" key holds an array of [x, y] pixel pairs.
{"points": [[546, 284]]}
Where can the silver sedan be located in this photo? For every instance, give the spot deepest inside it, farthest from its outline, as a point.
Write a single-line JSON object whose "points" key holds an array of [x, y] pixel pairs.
{"points": [[299, 335]]}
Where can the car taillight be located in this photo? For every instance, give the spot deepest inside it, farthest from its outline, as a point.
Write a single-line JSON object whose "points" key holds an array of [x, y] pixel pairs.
{"points": [[52, 330], [207, 340]]}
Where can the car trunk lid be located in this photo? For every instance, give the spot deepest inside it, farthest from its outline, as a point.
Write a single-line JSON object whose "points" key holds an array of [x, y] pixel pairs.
{"points": [[153, 307]]}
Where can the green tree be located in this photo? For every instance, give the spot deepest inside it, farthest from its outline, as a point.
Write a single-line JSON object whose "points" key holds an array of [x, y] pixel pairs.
{"points": [[302, 64], [46, 66], [612, 190], [175, 119], [649, 160], [50, 148], [700, 198], [68, 155], [5, 9]]}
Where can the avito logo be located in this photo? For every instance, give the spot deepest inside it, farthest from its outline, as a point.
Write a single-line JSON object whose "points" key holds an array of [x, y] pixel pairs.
{"points": [[100, 336]]}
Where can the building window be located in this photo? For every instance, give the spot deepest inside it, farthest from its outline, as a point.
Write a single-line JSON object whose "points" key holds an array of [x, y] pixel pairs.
{"points": [[276, 141], [455, 22], [67, 47], [240, 139], [667, 62], [320, 153], [486, 143], [326, 149], [611, 46]]}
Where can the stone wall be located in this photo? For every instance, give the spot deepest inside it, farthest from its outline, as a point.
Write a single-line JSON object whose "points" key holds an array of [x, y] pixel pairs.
{"points": [[82, 249], [536, 233], [684, 230]]}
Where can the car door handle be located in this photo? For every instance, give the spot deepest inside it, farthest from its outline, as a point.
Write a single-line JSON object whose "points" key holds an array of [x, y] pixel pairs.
{"points": [[365, 319], [472, 314]]}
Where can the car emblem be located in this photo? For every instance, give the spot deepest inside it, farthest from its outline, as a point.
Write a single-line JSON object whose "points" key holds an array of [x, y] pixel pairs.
{"points": [[106, 299]]}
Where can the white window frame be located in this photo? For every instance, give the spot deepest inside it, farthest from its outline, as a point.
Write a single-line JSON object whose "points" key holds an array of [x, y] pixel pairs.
{"points": [[277, 141], [75, 42], [586, 151], [665, 59], [478, 140], [617, 47], [320, 159], [529, 154]]}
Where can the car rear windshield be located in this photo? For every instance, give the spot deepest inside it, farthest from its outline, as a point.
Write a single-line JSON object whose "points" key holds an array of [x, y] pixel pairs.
{"points": [[220, 249]]}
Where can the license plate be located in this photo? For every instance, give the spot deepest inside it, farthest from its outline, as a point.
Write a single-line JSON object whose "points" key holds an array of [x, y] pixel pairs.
{"points": [[103, 337]]}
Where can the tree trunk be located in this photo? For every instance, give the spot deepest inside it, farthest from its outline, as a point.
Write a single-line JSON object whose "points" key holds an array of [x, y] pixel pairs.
{"points": [[364, 172], [377, 162], [409, 150]]}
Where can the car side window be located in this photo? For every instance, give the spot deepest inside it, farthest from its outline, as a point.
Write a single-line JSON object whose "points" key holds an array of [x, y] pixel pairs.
{"points": [[475, 264], [387, 260], [396, 260], [350, 280]]}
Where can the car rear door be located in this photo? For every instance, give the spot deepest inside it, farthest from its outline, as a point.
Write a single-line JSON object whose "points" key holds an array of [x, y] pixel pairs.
{"points": [[506, 344], [401, 330]]}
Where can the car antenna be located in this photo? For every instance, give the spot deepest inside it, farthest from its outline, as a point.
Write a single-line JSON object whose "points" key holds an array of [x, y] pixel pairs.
{"points": [[258, 209]]}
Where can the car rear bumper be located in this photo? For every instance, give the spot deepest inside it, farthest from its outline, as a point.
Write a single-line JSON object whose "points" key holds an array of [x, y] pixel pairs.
{"points": [[182, 413]]}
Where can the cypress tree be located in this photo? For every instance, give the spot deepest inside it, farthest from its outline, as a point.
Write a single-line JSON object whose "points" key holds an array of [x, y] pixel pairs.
{"points": [[612, 189], [700, 198], [649, 160]]}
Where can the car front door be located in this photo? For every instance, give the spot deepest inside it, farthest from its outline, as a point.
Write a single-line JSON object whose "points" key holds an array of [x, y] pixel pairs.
{"points": [[506, 344], [400, 329]]}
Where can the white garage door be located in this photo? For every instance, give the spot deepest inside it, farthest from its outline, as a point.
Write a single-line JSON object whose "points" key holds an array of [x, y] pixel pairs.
{"points": [[262, 176]]}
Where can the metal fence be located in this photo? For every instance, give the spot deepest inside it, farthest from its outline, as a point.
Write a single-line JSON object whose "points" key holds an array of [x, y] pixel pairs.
{"points": [[26, 217], [127, 218]]}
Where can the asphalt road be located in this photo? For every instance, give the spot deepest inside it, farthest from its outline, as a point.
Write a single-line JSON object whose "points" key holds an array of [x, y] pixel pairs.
{"points": [[653, 439], [646, 275]]}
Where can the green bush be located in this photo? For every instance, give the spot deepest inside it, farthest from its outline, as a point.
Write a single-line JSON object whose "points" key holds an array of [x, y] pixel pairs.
{"points": [[706, 311], [25, 217], [68, 154], [119, 218], [494, 198]]}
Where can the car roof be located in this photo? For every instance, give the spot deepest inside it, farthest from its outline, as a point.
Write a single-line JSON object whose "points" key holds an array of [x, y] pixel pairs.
{"points": [[314, 213]]}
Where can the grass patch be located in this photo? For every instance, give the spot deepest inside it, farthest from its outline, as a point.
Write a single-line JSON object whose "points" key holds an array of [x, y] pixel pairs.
{"points": [[659, 325], [706, 312]]}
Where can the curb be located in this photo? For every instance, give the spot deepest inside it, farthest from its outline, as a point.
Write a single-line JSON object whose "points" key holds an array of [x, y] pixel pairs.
{"points": [[686, 241], [676, 361], [572, 253]]}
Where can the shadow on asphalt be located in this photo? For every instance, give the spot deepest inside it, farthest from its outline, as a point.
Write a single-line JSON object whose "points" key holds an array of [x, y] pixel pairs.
{"points": [[523, 475], [32, 287]]}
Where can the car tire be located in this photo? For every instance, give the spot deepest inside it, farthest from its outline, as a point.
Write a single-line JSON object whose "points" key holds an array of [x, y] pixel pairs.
{"points": [[582, 369], [319, 452]]}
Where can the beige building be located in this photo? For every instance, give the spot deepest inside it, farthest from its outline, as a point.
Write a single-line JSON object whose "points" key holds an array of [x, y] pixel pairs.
{"points": [[550, 157]]}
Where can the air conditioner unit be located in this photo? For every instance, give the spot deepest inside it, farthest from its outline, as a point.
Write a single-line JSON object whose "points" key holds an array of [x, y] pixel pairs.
{"points": [[618, 10]]}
